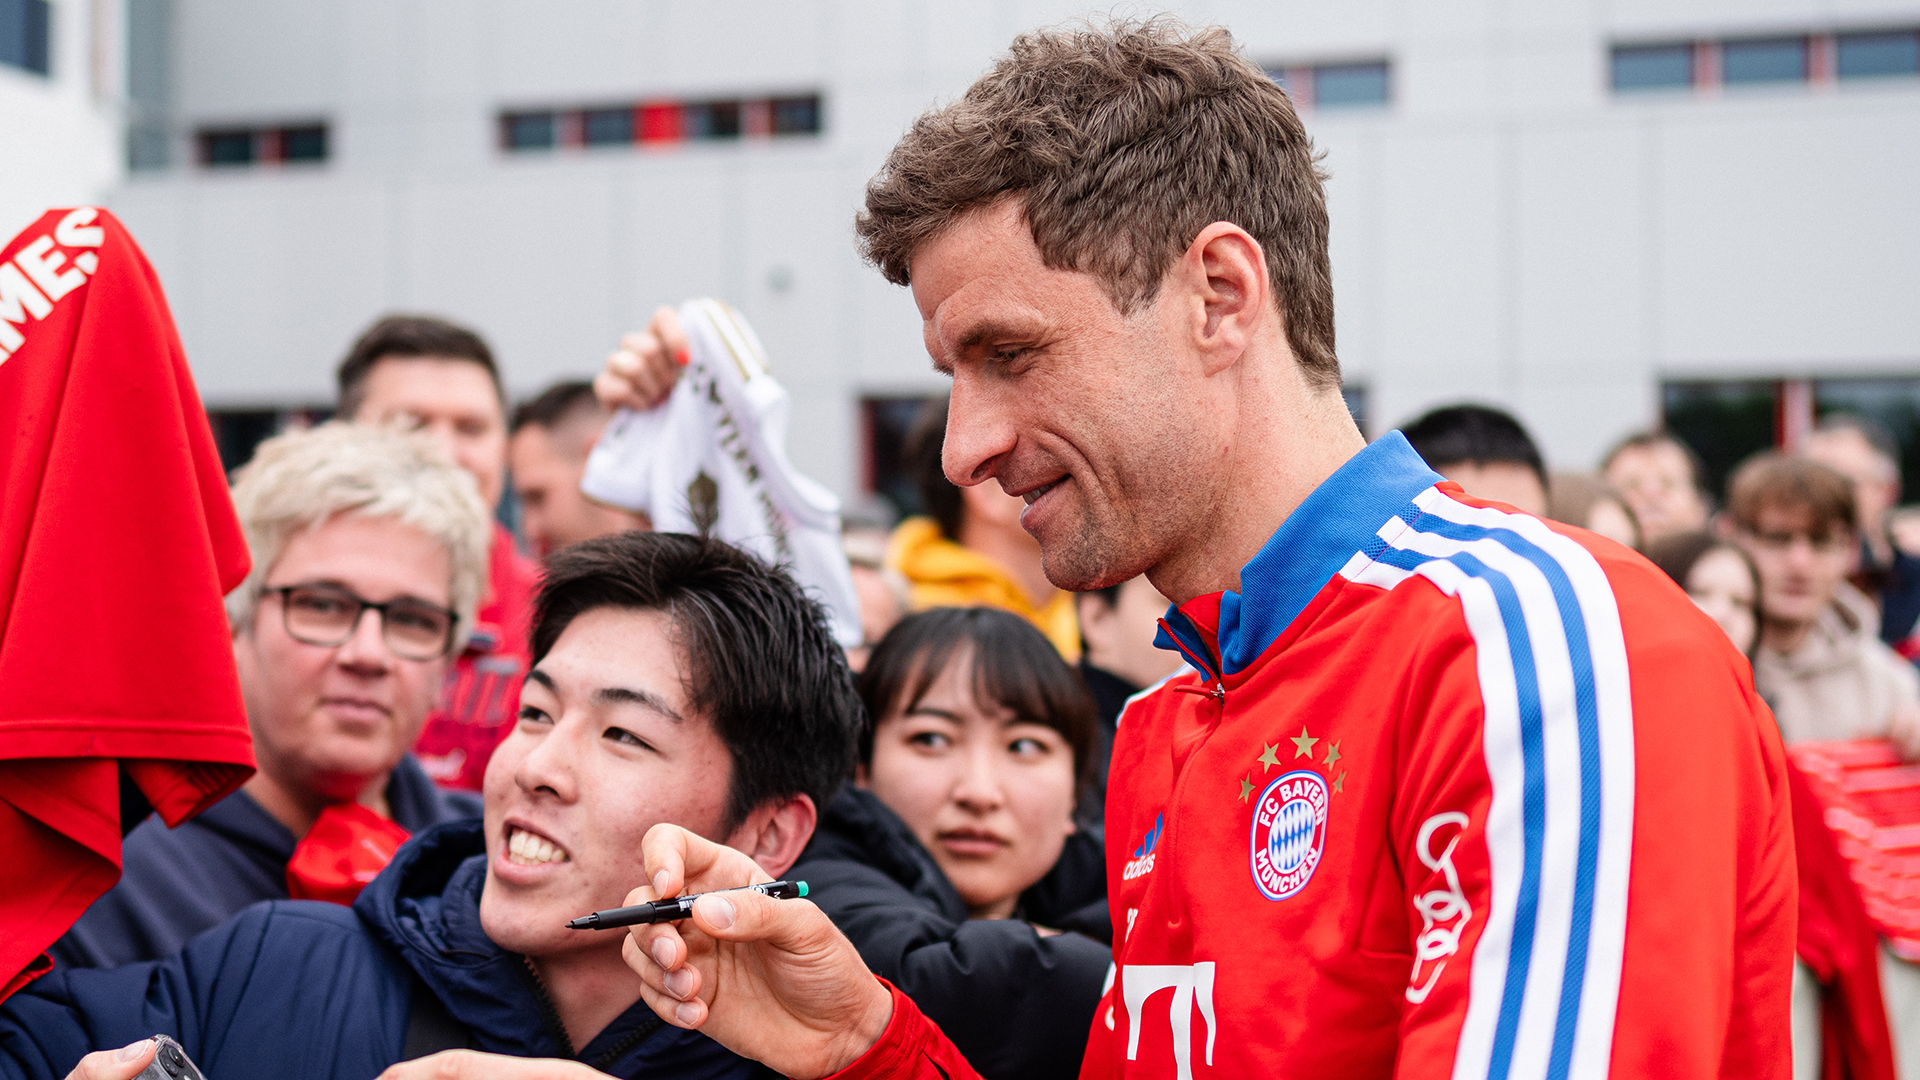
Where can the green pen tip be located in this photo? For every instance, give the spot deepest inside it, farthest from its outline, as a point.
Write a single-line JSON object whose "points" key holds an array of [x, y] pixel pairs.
{"points": [[803, 889]]}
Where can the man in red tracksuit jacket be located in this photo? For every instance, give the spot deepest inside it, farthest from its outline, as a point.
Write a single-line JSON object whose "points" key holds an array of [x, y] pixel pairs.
{"points": [[1447, 791]]}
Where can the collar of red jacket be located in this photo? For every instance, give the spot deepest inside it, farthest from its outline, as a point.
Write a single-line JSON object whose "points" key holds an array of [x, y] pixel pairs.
{"points": [[1223, 633]]}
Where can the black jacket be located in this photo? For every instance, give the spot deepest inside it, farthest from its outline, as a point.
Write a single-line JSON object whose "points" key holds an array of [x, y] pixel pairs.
{"points": [[304, 990], [178, 883], [1017, 1004]]}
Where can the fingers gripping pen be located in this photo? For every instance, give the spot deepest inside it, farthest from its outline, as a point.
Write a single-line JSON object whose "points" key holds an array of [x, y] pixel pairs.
{"points": [[678, 908]]}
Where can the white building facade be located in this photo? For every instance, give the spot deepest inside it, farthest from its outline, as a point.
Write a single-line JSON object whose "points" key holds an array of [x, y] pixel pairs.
{"points": [[1574, 210], [62, 79]]}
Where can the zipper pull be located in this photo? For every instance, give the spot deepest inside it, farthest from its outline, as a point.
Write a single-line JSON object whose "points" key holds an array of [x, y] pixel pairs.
{"points": [[1218, 691]]}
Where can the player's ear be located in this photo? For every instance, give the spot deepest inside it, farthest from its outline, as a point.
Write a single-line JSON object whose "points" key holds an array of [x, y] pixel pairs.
{"points": [[1224, 275]]}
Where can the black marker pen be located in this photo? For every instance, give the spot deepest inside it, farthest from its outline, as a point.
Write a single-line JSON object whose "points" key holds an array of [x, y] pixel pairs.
{"points": [[676, 909]]}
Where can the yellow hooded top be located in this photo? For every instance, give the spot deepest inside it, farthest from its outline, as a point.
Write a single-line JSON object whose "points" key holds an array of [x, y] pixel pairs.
{"points": [[944, 574]]}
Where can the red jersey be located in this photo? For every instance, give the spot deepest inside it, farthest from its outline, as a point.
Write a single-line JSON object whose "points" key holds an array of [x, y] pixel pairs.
{"points": [[481, 695], [117, 542], [1449, 791]]}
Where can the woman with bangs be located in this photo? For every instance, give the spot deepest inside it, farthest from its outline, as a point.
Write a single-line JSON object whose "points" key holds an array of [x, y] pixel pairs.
{"points": [[954, 862]]}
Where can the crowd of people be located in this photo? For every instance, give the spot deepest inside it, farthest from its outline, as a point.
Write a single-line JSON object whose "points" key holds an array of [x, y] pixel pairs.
{"points": [[466, 738]]}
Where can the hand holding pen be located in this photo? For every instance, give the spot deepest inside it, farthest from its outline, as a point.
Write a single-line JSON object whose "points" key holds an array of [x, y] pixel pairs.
{"points": [[678, 908]]}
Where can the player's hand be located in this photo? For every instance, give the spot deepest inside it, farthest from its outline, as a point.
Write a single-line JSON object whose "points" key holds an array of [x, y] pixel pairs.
{"points": [[641, 372], [769, 979], [473, 1065], [1903, 727], [122, 1064]]}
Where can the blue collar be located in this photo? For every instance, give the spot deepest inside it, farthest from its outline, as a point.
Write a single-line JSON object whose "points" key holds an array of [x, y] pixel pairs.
{"points": [[1339, 519]]}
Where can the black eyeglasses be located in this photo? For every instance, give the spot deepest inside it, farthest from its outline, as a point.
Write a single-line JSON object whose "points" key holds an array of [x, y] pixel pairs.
{"points": [[328, 614]]}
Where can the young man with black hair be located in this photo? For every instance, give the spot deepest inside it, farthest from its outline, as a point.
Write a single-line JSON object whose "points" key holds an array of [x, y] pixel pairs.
{"points": [[440, 378], [674, 680], [551, 436], [1484, 450]]}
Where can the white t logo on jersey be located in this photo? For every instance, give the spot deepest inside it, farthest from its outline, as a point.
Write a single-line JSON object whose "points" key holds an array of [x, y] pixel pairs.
{"points": [[1443, 912], [1191, 985]]}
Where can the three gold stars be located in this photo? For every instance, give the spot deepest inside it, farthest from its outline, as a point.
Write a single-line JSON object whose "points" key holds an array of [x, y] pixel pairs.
{"points": [[1303, 743], [1303, 747]]}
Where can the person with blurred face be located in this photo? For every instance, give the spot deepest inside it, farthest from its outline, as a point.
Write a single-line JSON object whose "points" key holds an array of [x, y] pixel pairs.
{"points": [[675, 679], [1821, 663], [1116, 240], [969, 546], [1119, 625], [882, 590], [1585, 500], [369, 554], [1484, 450], [1869, 459], [1864, 453], [1719, 577], [552, 436], [429, 375], [1660, 479], [933, 865]]}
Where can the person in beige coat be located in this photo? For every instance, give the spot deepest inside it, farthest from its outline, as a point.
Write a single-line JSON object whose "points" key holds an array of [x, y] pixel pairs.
{"points": [[1821, 664]]}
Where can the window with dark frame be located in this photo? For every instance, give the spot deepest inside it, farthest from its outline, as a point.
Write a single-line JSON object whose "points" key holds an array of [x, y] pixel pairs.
{"points": [[296, 144], [1877, 54], [658, 122], [1779, 60], [1341, 85], [25, 28], [1652, 67], [1358, 84], [608, 127], [1763, 60]]}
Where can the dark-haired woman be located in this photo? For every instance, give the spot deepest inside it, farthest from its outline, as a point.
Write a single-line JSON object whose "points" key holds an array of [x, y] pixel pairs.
{"points": [[1720, 578], [955, 855]]}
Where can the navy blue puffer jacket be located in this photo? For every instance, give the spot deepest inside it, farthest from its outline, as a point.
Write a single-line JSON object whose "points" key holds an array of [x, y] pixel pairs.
{"points": [[301, 990]]}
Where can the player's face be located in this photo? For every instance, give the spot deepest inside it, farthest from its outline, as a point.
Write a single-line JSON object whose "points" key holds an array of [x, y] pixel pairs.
{"points": [[606, 747], [991, 796], [328, 718], [1097, 419]]}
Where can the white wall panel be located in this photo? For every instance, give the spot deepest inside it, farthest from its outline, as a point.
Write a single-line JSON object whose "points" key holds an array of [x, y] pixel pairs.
{"points": [[1508, 230]]}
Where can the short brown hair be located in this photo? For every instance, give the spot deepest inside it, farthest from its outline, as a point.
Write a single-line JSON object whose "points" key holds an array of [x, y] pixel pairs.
{"points": [[405, 336], [1121, 144], [1771, 478], [1643, 440]]}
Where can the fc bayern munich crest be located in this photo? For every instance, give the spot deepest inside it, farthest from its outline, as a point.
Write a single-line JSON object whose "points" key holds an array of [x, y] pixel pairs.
{"points": [[1289, 833]]}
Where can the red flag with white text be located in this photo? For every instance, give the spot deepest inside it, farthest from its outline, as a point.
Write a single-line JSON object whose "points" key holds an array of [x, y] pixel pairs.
{"points": [[118, 543]]}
